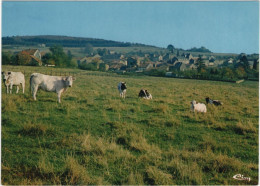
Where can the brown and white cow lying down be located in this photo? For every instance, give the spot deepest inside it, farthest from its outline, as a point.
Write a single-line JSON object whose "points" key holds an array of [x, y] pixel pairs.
{"points": [[47, 83], [13, 78], [145, 94], [214, 102]]}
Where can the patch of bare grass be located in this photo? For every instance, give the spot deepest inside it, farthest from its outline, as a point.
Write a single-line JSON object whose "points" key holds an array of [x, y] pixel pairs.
{"points": [[190, 173], [37, 130], [155, 176], [135, 179], [75, 173], [244, 128], [161, 108]]}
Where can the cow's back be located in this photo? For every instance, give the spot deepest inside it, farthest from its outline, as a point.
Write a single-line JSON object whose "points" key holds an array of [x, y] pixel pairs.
{"points": [[46, 82], [17, 78], [119, 86]]}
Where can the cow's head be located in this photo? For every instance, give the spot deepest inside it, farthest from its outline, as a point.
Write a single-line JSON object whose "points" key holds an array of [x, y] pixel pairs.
{"points": [[69, 80], [207, 99], [5, 75], [123, 86], [141, 93]]}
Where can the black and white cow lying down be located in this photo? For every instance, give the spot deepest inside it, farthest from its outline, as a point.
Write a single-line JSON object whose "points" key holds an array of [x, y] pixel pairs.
{"points": [[214, 102], [122, 89], [145, 94]]}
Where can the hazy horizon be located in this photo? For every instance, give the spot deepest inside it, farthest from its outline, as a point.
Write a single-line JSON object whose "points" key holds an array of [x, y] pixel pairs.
{"points": [[222, 27]]}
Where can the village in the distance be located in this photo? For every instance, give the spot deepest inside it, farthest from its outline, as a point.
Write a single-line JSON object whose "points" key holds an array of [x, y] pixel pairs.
{"points": [[128, 58]]}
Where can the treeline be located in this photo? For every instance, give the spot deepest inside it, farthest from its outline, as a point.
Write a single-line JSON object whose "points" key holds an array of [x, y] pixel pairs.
{"points": [[63, 41], [201, 49]]}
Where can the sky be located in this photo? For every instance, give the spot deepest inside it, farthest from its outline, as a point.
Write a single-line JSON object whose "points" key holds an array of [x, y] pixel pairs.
{"points": [[222, 27]]}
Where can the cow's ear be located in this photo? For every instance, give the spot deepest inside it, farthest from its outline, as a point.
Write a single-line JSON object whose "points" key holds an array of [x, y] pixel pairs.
{"points": [[73, 78]]}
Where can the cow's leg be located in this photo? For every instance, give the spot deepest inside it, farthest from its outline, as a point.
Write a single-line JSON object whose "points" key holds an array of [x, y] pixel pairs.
{"points": [[23, 85], [7, 89], [34, 91], [11, 88], [59, 95], [17, 89]]}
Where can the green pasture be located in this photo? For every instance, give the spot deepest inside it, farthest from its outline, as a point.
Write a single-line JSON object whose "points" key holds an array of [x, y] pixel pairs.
{"points": [[95, 137]]}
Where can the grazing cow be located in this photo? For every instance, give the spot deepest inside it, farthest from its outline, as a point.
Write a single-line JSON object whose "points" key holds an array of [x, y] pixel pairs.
{"points": [[214, 102], [13, 78], [199, 107], [47, 83], [122, 89], [145, 94]]}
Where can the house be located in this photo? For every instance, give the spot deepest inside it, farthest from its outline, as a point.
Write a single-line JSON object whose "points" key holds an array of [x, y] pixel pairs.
{"points": [[192, 67], [144, 66], [173, 60], [96, 58], [33, 55], [230, 61], [167, 57], [203, 57], [188, 56], [212, 59], [178, 66], [34, 52], [116, 66], [191, 61], [160, 58]]}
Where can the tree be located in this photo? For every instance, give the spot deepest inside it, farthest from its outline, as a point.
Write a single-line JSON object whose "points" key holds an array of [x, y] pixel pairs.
{"points": [[241, 73], [170, 48], [244, 61], [23, 58], [88, 49], [200, 64], [178, 53], [60, 57], [103, 67], [255, 65], [6, 58]]}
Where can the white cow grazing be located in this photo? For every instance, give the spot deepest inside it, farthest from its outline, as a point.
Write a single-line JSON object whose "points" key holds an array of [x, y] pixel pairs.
{"points": [[56, 84], [13, 78], [199, 107], [122, 89]]}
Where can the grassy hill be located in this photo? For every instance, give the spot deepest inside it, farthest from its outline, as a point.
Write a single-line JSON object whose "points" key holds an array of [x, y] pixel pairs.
{"points": [[94, 137]]}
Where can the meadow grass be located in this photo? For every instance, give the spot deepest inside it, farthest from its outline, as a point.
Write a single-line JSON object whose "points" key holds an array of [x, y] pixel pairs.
{"points": [[95, 137]]}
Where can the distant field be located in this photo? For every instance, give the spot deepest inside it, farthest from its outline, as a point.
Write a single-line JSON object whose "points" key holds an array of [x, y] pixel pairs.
{"points": [[77, 52], [94, 137]]}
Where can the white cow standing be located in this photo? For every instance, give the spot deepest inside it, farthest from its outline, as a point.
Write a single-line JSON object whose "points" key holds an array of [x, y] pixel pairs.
{"points": [[122, 89], [48, 83], [13, 78]]}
